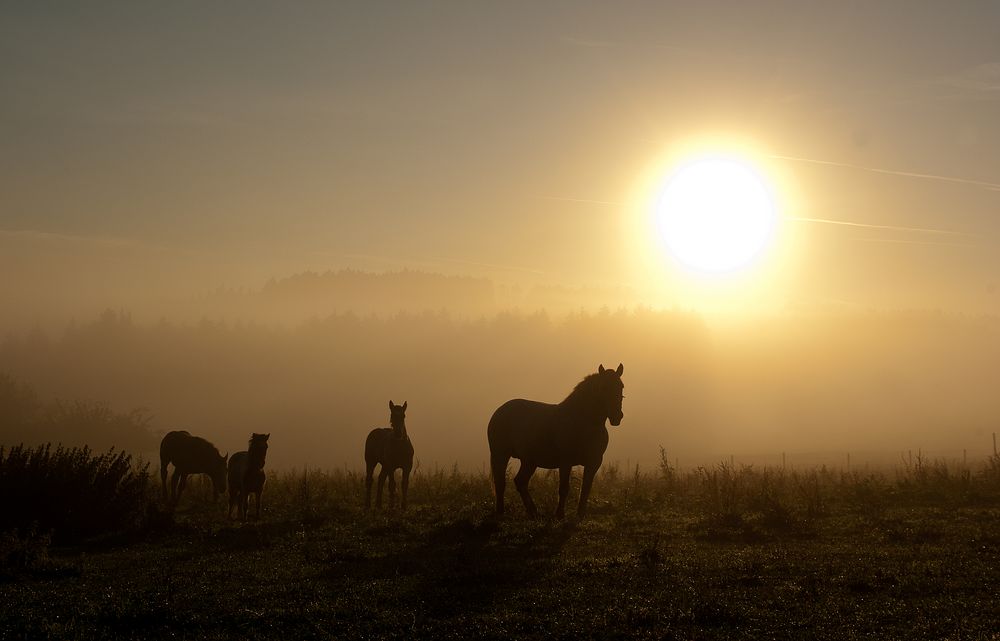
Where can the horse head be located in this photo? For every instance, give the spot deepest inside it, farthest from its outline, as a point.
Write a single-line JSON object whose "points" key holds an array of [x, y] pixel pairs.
{"points": [[397, 418], [257, 447], [610, 388]]}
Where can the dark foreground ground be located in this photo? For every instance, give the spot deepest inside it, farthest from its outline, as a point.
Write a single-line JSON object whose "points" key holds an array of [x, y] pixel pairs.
{"points": [[691, 558]]}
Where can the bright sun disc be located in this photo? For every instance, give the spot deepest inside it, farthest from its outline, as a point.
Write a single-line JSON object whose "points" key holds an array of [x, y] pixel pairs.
{"points": [[715, 215]]}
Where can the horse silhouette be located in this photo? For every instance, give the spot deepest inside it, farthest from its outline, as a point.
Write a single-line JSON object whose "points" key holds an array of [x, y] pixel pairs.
{"points": [[391, 448], [556, 437], [190, 455], [246, 476]]}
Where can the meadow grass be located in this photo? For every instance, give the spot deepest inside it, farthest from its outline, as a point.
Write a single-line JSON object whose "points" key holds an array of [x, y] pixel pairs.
{"points": [[709, 553]]}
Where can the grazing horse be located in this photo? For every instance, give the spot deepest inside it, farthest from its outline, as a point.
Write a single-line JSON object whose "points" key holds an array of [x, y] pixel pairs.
{"points": [[556, 437], [246, 476], [391, 448], [190, 455]]}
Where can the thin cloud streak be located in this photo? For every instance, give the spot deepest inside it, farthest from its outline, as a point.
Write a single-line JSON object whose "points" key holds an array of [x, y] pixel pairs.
{"points": [[32, 234], [891, 172], [583, 200], [825, 221], [850, 223], [915, 242]]}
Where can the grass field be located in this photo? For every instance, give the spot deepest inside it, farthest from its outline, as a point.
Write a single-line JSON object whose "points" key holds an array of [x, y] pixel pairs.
{"points": [[723, 553]]}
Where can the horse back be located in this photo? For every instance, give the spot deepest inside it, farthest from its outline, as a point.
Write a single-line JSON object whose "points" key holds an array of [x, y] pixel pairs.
{"points": [[544, 434], [518, 421], [171, 444], [186, 452]]}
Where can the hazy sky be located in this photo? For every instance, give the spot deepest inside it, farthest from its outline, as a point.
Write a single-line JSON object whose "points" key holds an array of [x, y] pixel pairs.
{"points": [[187, 145]]}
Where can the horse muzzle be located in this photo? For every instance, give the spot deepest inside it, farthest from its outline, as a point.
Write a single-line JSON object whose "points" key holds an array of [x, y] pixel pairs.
{"points": [[616, 420]]}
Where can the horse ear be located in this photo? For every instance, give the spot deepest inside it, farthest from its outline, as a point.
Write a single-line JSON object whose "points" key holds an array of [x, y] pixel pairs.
{"points": [[621, 368], [267, 436], [404, 406], [226, 457], [391, 405], [600, 368]]}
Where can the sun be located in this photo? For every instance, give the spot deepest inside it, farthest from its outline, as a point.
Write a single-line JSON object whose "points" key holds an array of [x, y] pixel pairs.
{"points": [[715, 214]]}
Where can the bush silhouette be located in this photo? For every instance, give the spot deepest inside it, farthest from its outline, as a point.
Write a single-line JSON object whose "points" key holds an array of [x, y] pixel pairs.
{"points": [[71, 492]]}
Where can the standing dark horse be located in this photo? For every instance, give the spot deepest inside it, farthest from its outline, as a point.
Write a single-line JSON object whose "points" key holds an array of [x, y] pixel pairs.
{"points": [[190, 455], [556, 436], [246, 476], [391, 448]]}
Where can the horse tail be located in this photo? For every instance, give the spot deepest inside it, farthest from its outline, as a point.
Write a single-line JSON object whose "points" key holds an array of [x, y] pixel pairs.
{"points": [[165, 457]]}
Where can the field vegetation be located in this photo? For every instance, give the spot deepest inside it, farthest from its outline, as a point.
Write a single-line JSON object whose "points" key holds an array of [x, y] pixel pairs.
{"points": [[708, 553]]}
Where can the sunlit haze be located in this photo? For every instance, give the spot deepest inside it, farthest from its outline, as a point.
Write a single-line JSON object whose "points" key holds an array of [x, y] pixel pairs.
{"points": [[781, 217]]}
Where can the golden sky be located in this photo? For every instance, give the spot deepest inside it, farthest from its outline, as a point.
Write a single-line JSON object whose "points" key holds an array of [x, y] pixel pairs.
{"points": [[179, 147]]}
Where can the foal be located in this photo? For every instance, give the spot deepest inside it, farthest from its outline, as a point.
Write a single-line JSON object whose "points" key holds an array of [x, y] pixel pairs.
{"points": [[246, 476], [190, 455], [390, 448]]}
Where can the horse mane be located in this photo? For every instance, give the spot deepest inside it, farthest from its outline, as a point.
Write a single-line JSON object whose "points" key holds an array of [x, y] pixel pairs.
{"points": [[583, 393], [202, 446]]}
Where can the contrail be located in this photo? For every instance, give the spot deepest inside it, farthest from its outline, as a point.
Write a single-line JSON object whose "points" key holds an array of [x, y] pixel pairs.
{"points": [[914, 242], [583, 200], [892, 172], [849, 223], [825, 221], [71, 238]]}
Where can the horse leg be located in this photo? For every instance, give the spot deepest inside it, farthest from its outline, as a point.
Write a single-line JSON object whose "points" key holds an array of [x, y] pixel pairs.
{"points": [[498, 467], [369, 474], [405, 485], [392, 489], [234, 497], [588, 479], [163, 478], [175, 479], [521, 483], [564, 473], [256, 504], [182, 483], [381, 481]]}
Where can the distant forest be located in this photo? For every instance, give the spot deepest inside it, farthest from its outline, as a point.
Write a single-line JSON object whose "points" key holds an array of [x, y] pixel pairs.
{"points": [[27, 418], [846, 382], [309, 295]]}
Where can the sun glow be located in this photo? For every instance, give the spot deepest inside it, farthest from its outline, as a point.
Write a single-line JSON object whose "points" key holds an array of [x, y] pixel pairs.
{"points": [[715, 214]]}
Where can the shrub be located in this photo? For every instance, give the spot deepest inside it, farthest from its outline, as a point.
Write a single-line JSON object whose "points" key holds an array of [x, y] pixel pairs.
{"points": [[21, 551], [71, 492]]}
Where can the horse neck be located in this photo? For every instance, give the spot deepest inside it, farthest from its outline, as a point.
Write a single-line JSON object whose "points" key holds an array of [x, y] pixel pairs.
{"points": [[255, 457], [583, 402], [399, 431]]}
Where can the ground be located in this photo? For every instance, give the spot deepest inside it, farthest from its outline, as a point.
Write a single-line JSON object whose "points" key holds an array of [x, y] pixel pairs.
{"points": [[648, 562]]}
